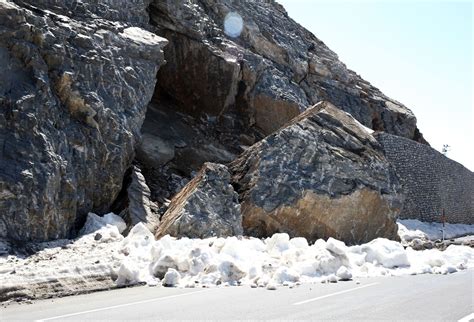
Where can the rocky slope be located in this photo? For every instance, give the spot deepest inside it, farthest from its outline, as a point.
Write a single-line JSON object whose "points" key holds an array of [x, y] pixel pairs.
{"points": [[268, 73], [236, 88], [79, 82], [75, 82]]}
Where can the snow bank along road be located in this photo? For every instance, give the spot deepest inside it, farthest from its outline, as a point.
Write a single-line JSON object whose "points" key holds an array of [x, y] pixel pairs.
{"points": [[102, 258], [427, 297]]}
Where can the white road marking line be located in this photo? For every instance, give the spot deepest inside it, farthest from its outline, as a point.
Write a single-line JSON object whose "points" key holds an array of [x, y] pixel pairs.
{"points": [[467, 318], [333, 294], [120, 305]]}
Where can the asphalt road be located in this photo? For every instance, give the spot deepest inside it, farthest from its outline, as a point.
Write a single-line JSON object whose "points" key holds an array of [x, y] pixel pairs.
{"points": [[422, 297]]}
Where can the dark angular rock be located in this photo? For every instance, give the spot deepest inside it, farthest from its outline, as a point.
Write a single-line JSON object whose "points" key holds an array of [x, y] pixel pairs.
{"points": [[206, 207], [134, 204], [323, 175]]}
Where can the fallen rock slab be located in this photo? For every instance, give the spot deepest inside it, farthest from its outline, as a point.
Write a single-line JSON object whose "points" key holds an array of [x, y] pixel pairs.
{"points": [[206, 207], [323, 175]]}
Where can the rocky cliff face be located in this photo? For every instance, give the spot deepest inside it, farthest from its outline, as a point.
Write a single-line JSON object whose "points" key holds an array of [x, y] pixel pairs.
{"points": [[266, 74], [75, 82], [79, 81], [240, 84]]}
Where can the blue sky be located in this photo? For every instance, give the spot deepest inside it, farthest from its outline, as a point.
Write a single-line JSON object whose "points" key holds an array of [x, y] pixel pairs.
{"points": [[417, 52]]}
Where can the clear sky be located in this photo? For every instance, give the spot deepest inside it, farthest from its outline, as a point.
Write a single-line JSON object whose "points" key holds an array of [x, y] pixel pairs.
{"points": [[417, 52]]}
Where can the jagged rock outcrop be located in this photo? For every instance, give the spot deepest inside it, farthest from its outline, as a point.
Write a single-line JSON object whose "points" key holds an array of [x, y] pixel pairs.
{"points": [[324, 175], [78, 76], [236, 88], [134, 203], [266, 74], [75, 82], [207, 206]]}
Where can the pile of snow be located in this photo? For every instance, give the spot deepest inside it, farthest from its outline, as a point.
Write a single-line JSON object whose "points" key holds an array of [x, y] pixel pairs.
{"points": [[274, 261], [410, 229], [65, 266], [102, 256]]}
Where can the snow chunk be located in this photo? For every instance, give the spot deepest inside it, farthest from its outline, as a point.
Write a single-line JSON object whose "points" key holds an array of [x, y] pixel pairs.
{"points": [[230, 271], [139, 237], [278, 243], [95, 223], [171, 278], [331, 278], [285, 274], [336, 246], [162, 265], [387, 253], [344, 274], [299, 242], [137, 248]]}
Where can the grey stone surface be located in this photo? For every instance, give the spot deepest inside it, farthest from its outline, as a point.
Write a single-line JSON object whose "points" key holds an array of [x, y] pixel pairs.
{"points": [[174, 147], [262, 78], [432, 182], [230, 92], [75, 82], [207, 206], [321, 176], [139, 207], [77, 77]]}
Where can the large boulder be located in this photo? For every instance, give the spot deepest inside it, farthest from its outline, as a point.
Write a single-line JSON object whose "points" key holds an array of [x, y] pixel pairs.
{"points": [[75, 81], [207, 206], [323, 175]]}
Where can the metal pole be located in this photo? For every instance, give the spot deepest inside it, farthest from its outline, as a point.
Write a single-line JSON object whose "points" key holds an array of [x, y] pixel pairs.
{"points": [[443, 218]]}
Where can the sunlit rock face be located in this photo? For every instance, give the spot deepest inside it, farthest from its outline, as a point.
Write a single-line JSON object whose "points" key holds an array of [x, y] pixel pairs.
{"points": [[323, 175], [236, 72], [76, 78], [253, 67]]}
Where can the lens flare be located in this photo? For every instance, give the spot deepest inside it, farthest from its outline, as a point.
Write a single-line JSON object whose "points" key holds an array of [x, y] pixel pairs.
{"points": [[233, 24]]}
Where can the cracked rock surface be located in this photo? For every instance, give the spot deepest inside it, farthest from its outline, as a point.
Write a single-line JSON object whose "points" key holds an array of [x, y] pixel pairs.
{"points": [[80, 79], [75, 82], [207, 207], [269, 73], [324, 175], [231, 90]]}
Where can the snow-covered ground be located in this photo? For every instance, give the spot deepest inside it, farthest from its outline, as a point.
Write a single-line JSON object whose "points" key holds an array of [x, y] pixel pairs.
{"points": [[409, 229], [103, 258]]}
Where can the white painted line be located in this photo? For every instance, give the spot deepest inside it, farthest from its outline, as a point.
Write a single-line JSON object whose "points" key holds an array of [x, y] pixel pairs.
{"points": [[120, 305], [333, 294], [467, 318]]}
